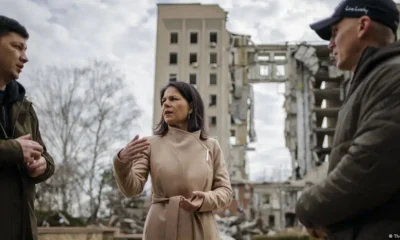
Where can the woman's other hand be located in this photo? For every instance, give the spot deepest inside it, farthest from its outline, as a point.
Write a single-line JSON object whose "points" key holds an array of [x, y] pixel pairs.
{"points": [[193, 204], [134, 149]]}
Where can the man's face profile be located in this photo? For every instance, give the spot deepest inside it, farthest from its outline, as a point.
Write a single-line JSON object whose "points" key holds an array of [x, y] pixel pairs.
{"points": [[13, 55]]}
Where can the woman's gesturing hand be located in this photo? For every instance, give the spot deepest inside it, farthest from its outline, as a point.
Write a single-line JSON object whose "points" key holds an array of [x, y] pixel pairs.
{"points": [[134, 149]]}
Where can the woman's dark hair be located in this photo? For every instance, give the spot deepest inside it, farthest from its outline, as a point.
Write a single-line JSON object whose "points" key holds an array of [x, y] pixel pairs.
{"points": [[196, 119]]}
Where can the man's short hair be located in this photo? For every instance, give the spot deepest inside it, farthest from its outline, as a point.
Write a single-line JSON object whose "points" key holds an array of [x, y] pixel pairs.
{"points": [[9, 25]]}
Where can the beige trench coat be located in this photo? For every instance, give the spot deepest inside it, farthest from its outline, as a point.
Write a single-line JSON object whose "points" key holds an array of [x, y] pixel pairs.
{"points": [[179, 164]]}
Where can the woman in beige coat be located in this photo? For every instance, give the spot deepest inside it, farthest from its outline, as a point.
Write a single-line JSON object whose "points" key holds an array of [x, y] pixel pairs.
{"points": [[188, 172]]}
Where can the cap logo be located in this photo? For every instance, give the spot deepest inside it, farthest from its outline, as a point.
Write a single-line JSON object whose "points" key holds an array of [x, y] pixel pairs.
{"points": [[356, 9]]}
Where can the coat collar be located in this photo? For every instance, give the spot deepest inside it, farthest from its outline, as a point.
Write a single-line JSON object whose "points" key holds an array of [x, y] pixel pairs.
{"points": [[179, 134], [370, 59]]}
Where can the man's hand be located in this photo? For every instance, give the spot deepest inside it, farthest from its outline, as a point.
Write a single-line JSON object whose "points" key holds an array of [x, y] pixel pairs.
{"points": [[318, 233], [193, 204], [37, 168], [32, 150]]}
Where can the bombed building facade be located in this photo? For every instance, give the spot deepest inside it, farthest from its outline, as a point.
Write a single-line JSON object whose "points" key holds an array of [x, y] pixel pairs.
{"points": [[312, 101]]}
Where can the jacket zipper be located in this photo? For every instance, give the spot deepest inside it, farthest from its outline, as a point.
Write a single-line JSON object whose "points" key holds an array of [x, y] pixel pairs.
{"points": [[3, 128], [13, 131], [3, 110], [16, 119], [4, 132]]}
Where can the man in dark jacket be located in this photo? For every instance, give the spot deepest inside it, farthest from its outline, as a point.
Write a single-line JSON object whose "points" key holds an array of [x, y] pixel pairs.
{"points": [[24, 160], [360, 197]]}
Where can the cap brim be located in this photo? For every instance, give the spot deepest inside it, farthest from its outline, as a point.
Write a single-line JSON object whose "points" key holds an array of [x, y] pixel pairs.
{"points": [[324, 27]]}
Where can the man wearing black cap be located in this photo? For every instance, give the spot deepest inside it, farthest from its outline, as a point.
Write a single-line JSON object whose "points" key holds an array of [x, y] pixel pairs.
{"points": [[360, 197], [24, 160]]}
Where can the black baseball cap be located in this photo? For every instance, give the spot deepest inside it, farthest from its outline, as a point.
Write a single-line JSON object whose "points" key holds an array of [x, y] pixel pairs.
{"points": [[382, 11]]}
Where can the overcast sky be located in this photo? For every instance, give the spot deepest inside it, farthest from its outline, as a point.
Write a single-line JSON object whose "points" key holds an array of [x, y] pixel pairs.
{"points": [[66, 32]]}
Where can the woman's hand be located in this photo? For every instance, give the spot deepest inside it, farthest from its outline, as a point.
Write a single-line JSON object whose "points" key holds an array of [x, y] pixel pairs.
{"points": [[193, 204], [133, 150]]}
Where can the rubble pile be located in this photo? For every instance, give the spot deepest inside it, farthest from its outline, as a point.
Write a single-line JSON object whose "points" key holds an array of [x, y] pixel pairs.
{"points": [[133, 225], [238, 228]]}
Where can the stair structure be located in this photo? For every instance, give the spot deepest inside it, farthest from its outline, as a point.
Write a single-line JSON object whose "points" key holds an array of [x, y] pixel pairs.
{"points": [[314, 93]]}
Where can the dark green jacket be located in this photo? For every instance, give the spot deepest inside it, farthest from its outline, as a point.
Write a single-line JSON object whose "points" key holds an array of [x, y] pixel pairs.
{"points": [[17, 188], [360, 198]]}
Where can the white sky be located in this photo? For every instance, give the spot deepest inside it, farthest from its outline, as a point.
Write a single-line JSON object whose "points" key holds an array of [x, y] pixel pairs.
{"points": [[66, 32]]}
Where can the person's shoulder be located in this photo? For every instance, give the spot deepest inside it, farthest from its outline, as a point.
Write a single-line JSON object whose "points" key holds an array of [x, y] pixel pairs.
{"points": [[29, 105], [152, 139], [386, 78], [212, 143], [27, 99]]}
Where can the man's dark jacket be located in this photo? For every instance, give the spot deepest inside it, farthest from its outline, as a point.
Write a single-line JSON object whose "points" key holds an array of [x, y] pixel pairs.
{"points": [[360, 198], [17, 188]]}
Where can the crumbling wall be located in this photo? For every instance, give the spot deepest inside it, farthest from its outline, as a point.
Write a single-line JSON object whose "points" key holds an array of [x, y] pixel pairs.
{"points": [[314, 95]]}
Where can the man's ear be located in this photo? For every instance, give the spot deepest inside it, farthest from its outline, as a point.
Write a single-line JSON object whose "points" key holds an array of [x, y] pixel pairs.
{"points": [[364, 25]]}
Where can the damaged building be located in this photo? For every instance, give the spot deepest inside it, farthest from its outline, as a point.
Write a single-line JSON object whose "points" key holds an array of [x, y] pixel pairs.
{"points": [[313, 97]]}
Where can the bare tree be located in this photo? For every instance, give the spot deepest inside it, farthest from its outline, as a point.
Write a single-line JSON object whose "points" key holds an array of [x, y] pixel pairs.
{"points": [[85, 113]]}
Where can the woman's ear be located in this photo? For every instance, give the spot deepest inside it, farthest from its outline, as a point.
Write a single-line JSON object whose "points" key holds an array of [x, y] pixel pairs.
{"points": [[190, 108]]}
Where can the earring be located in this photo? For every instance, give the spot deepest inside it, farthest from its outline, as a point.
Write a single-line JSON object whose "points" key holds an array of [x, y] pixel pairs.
{"points": [[188, 116]]}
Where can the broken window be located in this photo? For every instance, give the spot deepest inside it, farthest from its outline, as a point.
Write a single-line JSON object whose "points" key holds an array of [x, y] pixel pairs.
{"points": [[213, 79], [213, 58], [193, 78], [264, 70], [232, 58], [233, 132], [266, 199], [271, 220], [174, 38], [173, 77], [213, 37], [213, 121], [193, 38], [280, 70], [236, 193], [173, 58], [236, 42], [287, 197], [213, 100], [263, 58], [280, 57], [290, 219], [192, 58], [232, 138]]}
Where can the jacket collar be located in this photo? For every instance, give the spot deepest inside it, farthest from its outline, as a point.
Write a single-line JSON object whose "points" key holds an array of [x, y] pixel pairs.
{"points": [[370, 59], [179, 134]]}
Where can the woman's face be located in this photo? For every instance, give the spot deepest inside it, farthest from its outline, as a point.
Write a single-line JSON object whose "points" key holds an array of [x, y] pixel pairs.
{"points": [[175, 108]]}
